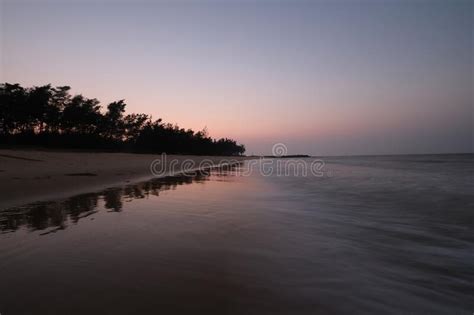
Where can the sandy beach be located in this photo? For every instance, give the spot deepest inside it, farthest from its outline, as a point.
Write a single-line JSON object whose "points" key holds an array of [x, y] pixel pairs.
{"points": [[28, 176]]}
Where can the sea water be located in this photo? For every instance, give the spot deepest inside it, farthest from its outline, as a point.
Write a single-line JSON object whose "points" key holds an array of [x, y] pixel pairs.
{"points": [[386, 234]]}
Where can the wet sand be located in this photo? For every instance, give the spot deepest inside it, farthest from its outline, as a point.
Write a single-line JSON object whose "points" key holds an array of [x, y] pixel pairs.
{"points": [[374, 235], [27, 176]]}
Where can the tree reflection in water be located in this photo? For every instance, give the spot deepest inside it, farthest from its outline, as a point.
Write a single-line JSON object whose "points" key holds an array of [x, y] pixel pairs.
{"points": [[58, 214]]}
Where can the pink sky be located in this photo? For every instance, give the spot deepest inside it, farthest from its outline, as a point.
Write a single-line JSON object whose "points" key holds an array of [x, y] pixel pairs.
{"points": [[324, 78]]}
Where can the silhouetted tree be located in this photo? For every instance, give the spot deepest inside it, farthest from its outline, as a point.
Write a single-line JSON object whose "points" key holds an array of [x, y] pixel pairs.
{"points": [[50, 116], [81, 115], [13, 114], [113, 121], [36, 108], [58, 101], [133, 125]]}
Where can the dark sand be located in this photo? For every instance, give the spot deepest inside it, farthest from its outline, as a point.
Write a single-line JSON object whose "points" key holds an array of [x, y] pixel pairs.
{"points": [[27, 176]]}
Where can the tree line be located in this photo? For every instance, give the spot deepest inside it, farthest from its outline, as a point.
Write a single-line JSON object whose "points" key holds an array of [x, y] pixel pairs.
{"points": [[51, 117]]}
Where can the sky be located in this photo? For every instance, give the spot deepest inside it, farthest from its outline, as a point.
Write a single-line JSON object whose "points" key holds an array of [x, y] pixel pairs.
{"points": [[321, 77]]}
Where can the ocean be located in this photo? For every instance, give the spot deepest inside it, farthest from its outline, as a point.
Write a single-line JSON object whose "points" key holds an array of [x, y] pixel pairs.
{"points": [[375, 234]]}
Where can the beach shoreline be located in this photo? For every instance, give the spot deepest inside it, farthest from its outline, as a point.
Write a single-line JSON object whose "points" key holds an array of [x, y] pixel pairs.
{"points": [[28, 176]]}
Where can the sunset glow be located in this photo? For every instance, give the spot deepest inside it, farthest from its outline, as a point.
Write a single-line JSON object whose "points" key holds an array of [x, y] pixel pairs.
{"points": [[323, 77]]}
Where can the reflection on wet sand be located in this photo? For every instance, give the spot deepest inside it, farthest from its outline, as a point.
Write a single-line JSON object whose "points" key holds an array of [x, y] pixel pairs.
{"points": [[359, 241], [58, 214]]}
